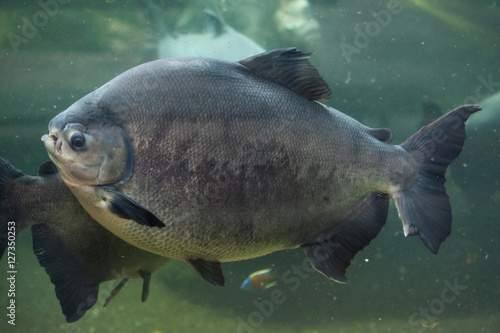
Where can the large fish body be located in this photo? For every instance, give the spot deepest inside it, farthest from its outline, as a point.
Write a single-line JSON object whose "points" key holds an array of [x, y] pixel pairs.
{"points": [[210, 161], [77, 253]]}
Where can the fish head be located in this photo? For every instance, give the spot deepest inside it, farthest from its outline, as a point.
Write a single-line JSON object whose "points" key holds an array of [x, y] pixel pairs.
{"points": [[88, 149]]}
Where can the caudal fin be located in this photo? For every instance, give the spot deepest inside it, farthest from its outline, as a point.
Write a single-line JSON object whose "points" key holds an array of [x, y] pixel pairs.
{"points": [[424, 208], [7, 174]]}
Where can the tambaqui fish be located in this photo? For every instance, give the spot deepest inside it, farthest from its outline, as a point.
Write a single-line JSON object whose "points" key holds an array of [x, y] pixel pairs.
{"points": [[209, 161], [76, 252]]}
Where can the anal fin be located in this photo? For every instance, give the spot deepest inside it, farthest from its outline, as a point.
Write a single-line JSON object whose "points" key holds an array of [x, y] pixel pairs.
{"points": [[332, 254], [76, 291], [209, 271]]}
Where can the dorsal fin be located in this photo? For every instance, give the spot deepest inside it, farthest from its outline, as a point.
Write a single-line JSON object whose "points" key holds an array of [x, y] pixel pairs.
{"points": [[47, 168], [213, 22], [381, 134], [290, 68]]}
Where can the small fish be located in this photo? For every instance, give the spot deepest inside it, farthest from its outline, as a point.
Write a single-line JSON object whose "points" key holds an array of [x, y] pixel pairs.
{"points": [[76, 252], [260, 280], [211, 161]]}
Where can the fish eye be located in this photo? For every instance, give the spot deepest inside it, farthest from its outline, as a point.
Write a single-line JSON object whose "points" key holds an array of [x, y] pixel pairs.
{"points": [[77, 141]]}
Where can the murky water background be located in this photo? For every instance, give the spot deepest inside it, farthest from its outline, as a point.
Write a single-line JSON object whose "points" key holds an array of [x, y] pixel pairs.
{"points": [[382, 59]]}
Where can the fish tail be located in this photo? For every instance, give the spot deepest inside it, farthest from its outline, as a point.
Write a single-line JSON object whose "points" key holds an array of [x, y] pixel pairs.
{"points": [[424, 208], [7, 174]]}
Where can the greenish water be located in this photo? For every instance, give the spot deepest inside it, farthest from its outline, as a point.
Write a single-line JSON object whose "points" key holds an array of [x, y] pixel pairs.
{"points": [[382, 59]]}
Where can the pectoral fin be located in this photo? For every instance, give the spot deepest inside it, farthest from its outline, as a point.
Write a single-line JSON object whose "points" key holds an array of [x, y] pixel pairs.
{"points": [[126, 208], [209, 271]]}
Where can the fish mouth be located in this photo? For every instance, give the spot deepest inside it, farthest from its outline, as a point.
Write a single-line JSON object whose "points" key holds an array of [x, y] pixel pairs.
{"points": [[52, 143]]}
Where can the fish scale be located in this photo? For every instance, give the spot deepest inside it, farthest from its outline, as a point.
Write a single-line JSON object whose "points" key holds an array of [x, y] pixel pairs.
{"points": [[228, 161]]}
